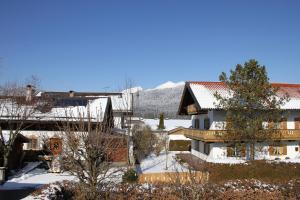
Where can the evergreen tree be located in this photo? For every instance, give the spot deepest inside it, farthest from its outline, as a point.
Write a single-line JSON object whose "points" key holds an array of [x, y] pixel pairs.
{"points": [[252, 102], [161, 124]]}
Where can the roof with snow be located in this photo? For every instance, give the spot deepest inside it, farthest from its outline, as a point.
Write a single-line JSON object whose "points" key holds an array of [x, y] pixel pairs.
{"points": [[61, 109], [20, 138], [202, 95], [121, 101]]}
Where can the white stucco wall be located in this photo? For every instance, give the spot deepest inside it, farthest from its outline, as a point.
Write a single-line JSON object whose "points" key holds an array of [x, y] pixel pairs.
{"points": [[218, 151], [40, 135], [217, 119]]}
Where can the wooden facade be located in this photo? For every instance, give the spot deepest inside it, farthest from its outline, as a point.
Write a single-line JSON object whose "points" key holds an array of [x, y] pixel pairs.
{"points": [[216, 135]]}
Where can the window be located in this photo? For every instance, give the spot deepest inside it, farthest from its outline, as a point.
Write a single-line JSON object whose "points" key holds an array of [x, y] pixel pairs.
{"points": [[206, 123], [196, 123], [196, 145], [122, 121], [278, 150], [283, 123], [278, 125], [33, 143], [297, 123], [237, 150], [206, 148]]}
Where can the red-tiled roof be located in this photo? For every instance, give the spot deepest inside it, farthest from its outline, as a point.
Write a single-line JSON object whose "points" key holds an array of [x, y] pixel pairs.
{"points": [[205, 91], [293, 90]]}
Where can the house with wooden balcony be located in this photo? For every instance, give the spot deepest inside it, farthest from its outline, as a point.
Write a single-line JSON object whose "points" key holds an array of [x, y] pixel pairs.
{"points": [[208, 126]]}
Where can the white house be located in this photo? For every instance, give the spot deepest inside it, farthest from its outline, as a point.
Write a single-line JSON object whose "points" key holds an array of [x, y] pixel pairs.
{"points": [[199, 102]]}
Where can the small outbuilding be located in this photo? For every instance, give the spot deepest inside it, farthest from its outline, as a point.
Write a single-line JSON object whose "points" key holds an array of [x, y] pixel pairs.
{"points": [[177, 140]]}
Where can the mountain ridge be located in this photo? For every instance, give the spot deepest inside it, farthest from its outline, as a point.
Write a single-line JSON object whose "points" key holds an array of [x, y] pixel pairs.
{"points": [[164, 98]]}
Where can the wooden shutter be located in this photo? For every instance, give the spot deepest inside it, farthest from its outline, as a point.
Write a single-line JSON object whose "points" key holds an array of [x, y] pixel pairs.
{"points": [[284, 150], [243, 151], [271, 150], [34, 143], [283, 123], [297, 123], [230, 151], [271, 125]]}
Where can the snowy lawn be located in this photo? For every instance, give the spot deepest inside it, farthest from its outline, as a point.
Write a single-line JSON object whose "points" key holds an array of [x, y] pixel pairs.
{"points": [[226, 161], [169, 123], [156, 164], [291, 160], [34, 179]]}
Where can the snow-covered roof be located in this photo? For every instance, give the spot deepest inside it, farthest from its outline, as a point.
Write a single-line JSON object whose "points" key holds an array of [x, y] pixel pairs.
{"points": [[6, 137], [122, 103], [169, 123], [204, 93], [96, 109]]}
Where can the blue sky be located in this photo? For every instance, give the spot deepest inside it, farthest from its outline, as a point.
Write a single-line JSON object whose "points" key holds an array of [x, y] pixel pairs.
{"points": [[92, 45]]}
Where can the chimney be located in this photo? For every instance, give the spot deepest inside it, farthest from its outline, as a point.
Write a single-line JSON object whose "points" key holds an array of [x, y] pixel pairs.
{"points": [[29, 93], [71, 93]]}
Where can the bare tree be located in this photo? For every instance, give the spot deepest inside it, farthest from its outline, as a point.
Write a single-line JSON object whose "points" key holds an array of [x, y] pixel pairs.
{"points": [[15, 109], [89, 148], [124, 105], [145, 142]]}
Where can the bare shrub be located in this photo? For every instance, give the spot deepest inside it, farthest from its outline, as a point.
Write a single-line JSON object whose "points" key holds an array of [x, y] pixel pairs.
{"points": [[88, 145], [144, 141]]}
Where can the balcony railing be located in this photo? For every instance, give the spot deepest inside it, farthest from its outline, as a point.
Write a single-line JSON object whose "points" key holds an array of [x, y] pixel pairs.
{"points": [[218, 135]]}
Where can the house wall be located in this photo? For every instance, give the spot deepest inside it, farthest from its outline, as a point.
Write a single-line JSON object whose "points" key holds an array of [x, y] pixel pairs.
{"points": [[40, 136], [217, 119], [119, 154], [218, 151]]}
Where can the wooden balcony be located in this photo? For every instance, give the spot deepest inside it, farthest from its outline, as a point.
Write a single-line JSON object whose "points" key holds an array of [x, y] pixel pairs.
{"points": [[192, 109], [217, 135]]}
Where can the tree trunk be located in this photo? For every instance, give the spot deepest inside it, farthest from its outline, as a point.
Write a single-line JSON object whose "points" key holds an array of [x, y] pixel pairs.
{"points": [[5, 159]]}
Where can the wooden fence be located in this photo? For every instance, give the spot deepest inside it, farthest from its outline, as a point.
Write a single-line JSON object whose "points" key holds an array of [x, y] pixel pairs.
{"points": [[174, 177]]}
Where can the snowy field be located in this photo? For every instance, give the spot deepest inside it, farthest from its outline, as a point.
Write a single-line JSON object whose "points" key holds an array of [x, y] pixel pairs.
{"points": [[156, 164], [169, 123], [34, 179]]}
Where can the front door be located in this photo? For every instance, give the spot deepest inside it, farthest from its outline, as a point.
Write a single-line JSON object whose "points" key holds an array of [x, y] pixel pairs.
{"points": [[56, 146]]}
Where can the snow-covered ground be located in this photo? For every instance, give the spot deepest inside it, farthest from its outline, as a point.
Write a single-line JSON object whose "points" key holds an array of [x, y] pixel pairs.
{"points": [[226, 161], [291, 160], [156, 164], [34, 179], [169, 123], [239, 161]]}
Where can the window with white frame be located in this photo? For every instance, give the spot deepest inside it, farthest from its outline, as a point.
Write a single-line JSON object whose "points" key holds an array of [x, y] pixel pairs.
{"points": [[33, 143]]}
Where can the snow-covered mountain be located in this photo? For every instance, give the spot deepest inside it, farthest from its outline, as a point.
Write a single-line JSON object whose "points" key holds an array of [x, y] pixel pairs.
{"points": [[168, 84], [133, 90], [164, 98]]}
